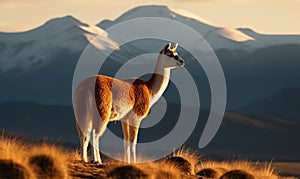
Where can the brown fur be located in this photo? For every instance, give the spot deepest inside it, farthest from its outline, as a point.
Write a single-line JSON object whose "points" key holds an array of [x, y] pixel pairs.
{"points": [[151, 84], [141, 94], [103, 96]]}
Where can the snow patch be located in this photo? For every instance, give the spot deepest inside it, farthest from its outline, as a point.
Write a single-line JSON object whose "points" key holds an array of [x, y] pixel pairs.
{"points": [[92, 29], [101, 42], [190, 15], [234, 35]]}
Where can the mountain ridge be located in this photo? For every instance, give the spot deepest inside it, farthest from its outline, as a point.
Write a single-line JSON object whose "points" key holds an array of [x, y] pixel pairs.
{"points": [[54, 55], [250, 39], [33, 46]]}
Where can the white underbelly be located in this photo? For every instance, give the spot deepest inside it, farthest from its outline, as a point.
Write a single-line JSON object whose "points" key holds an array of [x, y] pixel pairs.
{"points": [[120, 109]]}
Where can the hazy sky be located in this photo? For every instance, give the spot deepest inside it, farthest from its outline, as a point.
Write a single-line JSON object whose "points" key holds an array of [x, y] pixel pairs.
{"points": [[265, 16]]}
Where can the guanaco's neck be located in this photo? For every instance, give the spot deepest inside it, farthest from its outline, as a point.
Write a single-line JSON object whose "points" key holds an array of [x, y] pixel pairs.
{"points": [[158, 82]]}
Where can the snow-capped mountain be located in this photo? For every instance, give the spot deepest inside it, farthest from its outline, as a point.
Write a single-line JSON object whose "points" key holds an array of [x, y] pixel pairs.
{"points": [[34, 48], [218, 37], [30, 49], [42, 60], [38, 65]]}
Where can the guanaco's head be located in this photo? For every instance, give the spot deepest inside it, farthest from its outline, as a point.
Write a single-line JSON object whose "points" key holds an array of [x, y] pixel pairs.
{"points": [[169, 57]]}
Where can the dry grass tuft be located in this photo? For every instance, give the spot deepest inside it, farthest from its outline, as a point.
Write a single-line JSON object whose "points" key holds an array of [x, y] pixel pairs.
{"points": [[13, 164], [127, 171], [40, 160], [164, 174], [12, 170], [209, 173], [253, 168], [185, 160], [45, 167], [181, 164], [49, 161], [189, 155], [12, 149], [165, 170], [234, 174]]}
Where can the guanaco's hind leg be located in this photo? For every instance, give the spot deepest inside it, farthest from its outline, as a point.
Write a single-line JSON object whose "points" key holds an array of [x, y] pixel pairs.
{"points": [[97, 133], [95, 148], [100, 121], [83, 118], [83, 125], [84, 142]]}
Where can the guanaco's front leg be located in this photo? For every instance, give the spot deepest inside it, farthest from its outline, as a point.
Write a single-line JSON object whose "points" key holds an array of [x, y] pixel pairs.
{"points": [[133, 133], [125, 128]]}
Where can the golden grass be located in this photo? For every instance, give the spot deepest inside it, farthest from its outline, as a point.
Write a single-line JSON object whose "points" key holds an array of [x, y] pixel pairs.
{"points": [[287, 167], [25, 155], [209, 173], [12, 149], [255, 169], [128, 171], [49, 161], [188, 154], [13, 152], [67, 164]]}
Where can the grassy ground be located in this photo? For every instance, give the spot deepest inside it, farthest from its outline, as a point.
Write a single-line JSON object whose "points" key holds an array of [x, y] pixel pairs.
{"points": [[287, 167], [22, 160]]}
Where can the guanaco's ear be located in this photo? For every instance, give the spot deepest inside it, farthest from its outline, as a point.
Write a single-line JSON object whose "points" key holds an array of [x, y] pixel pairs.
{"points": [[167, 47], [174, 47]]}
